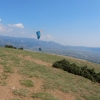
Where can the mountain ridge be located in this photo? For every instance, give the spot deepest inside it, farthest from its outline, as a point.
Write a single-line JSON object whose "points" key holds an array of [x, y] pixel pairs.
{"points": [[81, 52]]}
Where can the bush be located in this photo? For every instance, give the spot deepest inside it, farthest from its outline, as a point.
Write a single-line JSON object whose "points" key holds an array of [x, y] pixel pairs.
{"points": [[82, 71], [10, 46]]}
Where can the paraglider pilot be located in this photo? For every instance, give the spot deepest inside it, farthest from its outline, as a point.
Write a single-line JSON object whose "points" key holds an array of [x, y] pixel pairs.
{"points": [[40, 49]]}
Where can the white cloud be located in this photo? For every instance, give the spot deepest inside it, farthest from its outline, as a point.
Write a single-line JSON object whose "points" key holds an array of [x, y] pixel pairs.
{"points": [[3, 28], [46, 37], [0, 19], [49, 37], [19, 25]]}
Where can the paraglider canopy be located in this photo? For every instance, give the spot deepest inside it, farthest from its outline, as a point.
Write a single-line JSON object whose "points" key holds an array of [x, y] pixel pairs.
{"points": [[38, 34]]}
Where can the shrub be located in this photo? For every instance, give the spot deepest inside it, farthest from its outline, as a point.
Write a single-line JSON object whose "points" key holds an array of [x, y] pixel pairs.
{"points": [[8, 46], [82, 71]]}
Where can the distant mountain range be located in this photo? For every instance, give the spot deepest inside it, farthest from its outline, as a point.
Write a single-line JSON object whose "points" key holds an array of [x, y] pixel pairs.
{"points": [[87, 53]]}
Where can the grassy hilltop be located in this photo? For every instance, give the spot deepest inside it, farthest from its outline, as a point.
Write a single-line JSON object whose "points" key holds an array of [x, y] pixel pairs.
{"points": [[26, 75]]}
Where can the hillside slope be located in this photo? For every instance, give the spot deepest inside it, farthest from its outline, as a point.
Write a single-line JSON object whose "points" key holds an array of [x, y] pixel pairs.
{"points": [[91, 54], [26, 75]]}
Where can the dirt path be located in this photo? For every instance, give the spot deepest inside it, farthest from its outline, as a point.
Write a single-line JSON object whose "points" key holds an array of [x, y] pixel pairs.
{"points": [[37, 61], [12, 84]]}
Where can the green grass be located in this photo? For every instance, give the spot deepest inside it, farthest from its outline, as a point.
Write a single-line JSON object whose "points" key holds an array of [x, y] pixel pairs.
{"points": [[21, 92], [44, 96], [78, 99], [8, 69], [27, 83]]}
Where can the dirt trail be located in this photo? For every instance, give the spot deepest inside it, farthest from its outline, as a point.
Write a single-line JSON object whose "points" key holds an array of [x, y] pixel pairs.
{"points": [[37, 61], [12, 84]]}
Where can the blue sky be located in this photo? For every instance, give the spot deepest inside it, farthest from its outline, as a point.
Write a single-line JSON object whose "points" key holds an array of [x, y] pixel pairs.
{"points": [[68, 22]]}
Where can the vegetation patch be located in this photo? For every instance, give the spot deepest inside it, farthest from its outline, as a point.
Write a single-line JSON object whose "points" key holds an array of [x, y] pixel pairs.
{"points": [[3, 83], [27, 83], [82, 71], [8, 69], [44, 96], [21, 92], [4, 76]]}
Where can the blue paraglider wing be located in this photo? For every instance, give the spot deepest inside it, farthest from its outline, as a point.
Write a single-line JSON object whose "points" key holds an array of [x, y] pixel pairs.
{"points": [[38, 34]]}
